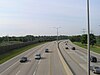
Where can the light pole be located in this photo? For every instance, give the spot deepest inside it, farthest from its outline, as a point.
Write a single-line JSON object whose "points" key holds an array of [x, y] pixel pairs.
{"points": [[57, 33], [88, 22]]}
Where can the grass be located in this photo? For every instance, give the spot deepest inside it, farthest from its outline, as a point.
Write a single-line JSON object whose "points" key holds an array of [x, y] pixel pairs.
{"points": [[94, 48], [5, 43], [7, 56]]}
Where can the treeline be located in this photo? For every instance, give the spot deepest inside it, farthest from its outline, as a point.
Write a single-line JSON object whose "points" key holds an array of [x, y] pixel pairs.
{"points": [[31, 38], [83, 39], [24, 41], [28, 38]]}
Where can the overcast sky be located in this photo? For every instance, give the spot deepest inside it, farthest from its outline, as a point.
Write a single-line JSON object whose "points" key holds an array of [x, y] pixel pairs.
{"points": [[39, 17]]}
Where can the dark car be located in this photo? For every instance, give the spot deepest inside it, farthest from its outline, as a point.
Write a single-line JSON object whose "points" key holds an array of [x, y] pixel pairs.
{"points": [[46, 50], [93, 59], [73, 48], [23, 59], [66, 44], [66, 47]]}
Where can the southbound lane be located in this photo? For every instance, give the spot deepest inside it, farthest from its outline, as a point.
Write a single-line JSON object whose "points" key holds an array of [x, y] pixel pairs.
{"points": [[49, 64]]}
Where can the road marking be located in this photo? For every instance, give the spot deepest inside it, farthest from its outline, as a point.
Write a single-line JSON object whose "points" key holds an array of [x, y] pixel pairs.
{"points": [[17, 72], [34, 73], [39, 62], [82, 57], [9, 67], [50, 65], [36, 67]]}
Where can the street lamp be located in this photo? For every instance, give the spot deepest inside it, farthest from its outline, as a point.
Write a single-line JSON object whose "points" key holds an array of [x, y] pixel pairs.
{"points": [[57, 33], [88, 22]]}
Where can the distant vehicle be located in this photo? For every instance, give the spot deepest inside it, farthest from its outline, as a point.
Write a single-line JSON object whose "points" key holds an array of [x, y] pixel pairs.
{"points": [[96, 70], [93, 59], [66, 47], [73, 48], [46, 50], [66, 44], [38, 56], [23, 59]]}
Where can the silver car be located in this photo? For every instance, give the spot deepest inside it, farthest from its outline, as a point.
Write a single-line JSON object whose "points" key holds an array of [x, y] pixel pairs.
{"points": [[38, 56], [96, 70]]}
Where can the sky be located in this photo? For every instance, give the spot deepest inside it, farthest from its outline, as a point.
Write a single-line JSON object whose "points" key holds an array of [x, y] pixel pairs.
{"points": [[42, 17]]}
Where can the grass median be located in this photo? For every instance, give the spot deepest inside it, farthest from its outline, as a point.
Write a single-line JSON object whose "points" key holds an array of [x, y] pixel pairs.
{"points": [[9, 55], [94, 48]]}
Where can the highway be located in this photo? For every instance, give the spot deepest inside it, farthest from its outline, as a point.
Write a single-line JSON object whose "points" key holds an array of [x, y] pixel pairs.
{"points": [[77, 59], [49, 64], [56, 62]]}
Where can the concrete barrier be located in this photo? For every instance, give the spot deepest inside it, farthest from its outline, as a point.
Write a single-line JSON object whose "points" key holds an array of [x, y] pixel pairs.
{"points": [[66, 67]]}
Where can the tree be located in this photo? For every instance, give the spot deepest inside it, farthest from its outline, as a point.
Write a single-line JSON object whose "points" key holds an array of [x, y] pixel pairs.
{"points": [[92, 39], [84, 39], [76, 38]]}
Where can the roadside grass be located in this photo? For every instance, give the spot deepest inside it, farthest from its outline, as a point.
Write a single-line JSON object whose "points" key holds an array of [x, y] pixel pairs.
{"points": [[5, 43], [94, 48], [7, 56]]}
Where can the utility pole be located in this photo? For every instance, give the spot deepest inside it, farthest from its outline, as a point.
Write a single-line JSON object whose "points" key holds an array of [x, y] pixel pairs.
{"points": [[84, 30], [7, 37], [88, 22], [57, 35]]}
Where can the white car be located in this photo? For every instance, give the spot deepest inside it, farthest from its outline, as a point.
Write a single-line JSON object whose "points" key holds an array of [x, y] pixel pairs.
{"points": [[38, 56]]}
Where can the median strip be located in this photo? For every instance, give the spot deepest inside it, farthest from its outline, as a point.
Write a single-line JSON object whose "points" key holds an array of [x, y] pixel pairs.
{"points": [[66, 67]]}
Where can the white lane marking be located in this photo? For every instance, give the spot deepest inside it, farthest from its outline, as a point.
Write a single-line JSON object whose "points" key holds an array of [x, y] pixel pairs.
{"points": [[17, 72], [34, 73], [9, 67], [83, 66], [39, 61], [81, 53], [82, 57]]}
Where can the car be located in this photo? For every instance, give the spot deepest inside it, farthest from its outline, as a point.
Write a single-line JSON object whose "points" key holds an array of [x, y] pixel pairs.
{"points": [[38, 56], [73, 48], [66, 44], [93, 59], [96, 69], [46, 50], [23, 59], [66, 47]]}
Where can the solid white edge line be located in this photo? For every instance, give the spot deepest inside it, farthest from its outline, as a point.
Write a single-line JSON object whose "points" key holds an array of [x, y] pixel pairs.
{"points": [[9, 67]]}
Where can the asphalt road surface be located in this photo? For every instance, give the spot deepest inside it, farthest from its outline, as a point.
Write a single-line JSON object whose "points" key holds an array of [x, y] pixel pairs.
{"points": [[77, 59], [49, 64]]}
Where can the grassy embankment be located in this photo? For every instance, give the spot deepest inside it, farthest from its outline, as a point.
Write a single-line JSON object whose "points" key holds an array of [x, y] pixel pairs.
{"points": [[95, 48], [7, 56]]}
